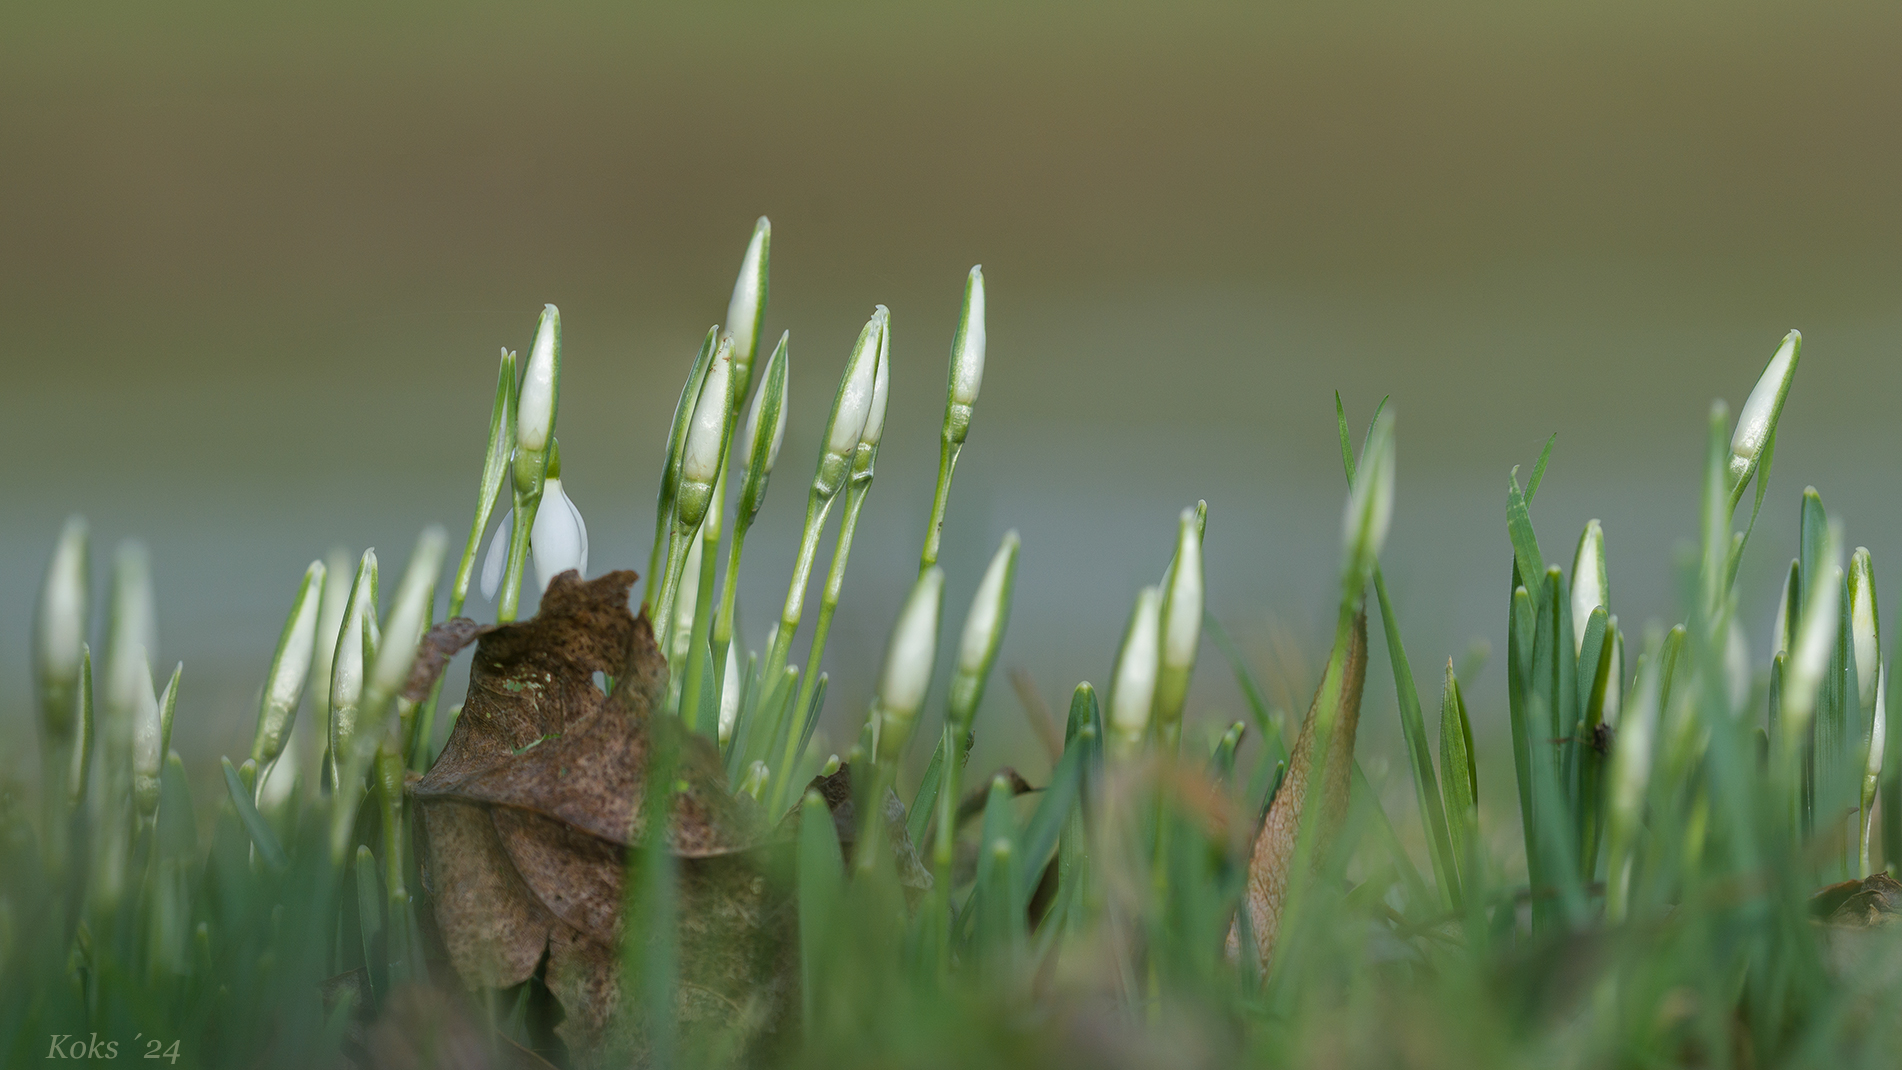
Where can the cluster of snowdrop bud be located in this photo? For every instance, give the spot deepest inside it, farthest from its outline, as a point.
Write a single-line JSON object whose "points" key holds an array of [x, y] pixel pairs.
{"points": [[908, 663], [874, 428]]}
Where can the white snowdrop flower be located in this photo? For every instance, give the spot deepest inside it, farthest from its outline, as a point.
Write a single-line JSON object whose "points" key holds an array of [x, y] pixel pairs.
{"points": [[559, 539], [1758, 418]]}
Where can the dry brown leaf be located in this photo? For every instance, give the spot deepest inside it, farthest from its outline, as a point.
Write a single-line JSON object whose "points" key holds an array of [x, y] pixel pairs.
{"points": [[1273, 857], [528, 814]]}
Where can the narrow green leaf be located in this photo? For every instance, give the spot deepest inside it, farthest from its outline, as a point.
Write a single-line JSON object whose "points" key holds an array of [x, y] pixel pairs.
{"points": [[821, 880], [1419, 754], [1460, 775], [254, 823], [369, 911], [1525, 544], [1538, 469], [1048, 820], [1271, 740]]}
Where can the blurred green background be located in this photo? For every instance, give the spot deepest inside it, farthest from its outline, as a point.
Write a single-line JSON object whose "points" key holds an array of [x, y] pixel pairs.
{"points": [[256, 262]]}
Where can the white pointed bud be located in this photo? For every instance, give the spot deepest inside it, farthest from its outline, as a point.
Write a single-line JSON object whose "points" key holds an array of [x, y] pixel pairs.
{"points": [[1591, 586], [967, 360], [60, 632], [850, 408], [1182, 630], [280, 779], [746, 311], [558, 540], [148, 732], [535, 411], [758, 412], [346, 665], [1879, 726], [1863, 626], [337, 577], [1815, 642], [1736, 667], [1133, 691], [908, 661], [284, 687], [680, 644], [881, 388], [409, 618], [131, 636], [1758, 418], [1369, 509], [706, 440], [729, 695], [983, 631]]}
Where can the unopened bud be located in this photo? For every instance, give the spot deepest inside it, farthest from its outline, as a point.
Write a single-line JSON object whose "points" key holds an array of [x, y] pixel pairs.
{"points": [[1133, 691], [284, 687], [1369, 505], [706, 439], [541, 386], [850, 409], [967, 360], [908, 662], [60, 633], [983, 632], [1591, 586], [1863, 626], [746, 311], [1758, 419]]}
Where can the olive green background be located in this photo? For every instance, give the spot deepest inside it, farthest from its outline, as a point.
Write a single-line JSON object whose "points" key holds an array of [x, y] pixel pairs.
{"points": [[255, 266]]}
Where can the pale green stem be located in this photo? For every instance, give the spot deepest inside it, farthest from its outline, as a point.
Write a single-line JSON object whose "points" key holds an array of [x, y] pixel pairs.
{"points": [[818, 507], [525, 506], [828, 605], [947, 464], [703, 613]]}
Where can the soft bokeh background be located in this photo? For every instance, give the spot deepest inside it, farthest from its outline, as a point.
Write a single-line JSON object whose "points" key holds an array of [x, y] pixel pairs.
{"points": [[256, 263]]}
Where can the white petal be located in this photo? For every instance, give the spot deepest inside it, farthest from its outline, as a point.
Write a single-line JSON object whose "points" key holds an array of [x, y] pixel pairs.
{"points": [[558, 540], [497, 558]]}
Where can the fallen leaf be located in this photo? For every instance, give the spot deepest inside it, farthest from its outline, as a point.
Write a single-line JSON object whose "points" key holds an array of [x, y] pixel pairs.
{"points": [[528, 815], [1273, 857]]}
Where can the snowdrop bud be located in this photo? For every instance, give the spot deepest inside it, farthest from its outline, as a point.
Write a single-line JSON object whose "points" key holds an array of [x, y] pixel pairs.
{"points": [[1182, 630], [1815, 642], [1863, 625], [1369, 505], [409, 618], [1879, 727], [760, 454], [680, 644], [983, 632], [746, 312], [60, 632], [706, 439], [729, 696], [908, 661], [337, 577], [346, 665], [1615, 685], [1736, 667], [1133, 692], [284, 687], [148, 731], [1758, 419], [131, 634], [967, 360], [850, 409], [874, 429], [1591, 587], [558, 539], [541, 386]]}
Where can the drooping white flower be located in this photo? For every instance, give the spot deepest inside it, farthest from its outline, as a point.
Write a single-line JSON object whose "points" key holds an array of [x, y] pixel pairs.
{"points": [[558, 541]]}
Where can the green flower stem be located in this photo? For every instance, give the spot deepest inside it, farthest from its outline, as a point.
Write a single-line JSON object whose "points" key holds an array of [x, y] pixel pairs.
{"points": [[526, 504], [828, 605], [947, 465], [703, 616], [494, 469], [818, 507], [722, 633]]}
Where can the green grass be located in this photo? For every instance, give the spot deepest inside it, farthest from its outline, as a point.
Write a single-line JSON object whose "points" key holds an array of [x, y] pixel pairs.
{"points": [[1657, 911]]}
